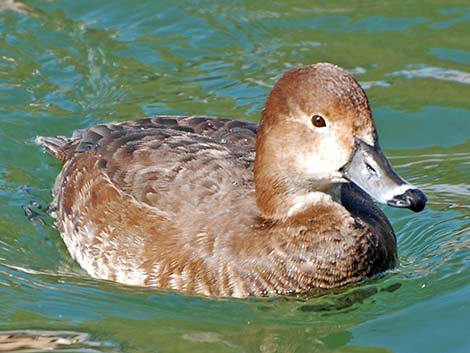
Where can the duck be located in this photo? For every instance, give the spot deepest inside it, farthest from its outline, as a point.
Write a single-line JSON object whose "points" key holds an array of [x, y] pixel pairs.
{"points": [[226, 208]]}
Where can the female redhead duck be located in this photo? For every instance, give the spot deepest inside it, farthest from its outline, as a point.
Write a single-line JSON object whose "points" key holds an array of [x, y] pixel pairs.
{"points": [[185, 202]]}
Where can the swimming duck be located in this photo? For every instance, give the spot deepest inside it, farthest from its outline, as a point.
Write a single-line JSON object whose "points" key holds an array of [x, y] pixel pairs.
{"points": [[221, 207]]}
